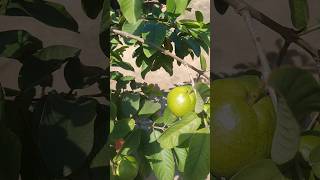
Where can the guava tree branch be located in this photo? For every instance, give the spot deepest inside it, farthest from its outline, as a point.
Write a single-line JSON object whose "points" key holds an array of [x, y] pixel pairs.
{"points": [[162, 50], [290, 35]]}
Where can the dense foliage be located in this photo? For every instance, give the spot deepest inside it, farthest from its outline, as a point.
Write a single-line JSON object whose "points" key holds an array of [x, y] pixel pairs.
{"points": [[143, 128], [46, 134]]}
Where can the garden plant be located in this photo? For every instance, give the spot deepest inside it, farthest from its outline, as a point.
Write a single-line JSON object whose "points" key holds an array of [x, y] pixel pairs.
{"points": [[46, 134], [265, 122], [159, 132]]}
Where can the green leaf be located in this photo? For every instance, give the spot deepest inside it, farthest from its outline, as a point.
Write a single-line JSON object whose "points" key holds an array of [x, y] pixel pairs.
{"points": [[132, 143], [287, 134], [302, 99], [122, 128], [161, 161], [315, 161], [122, 64], [180, 156], [131, 9], [65, 133], [198, 159], [44, 11], [134, 28], [29, 78], [149, 108], [203, 62], [92, 7], [263, 170], [130, 104], [177, 6], [199, 16], [299, 13], [101, 159], [104, 36], [199, 103], [180, 131], [154, 33], [18, 43], [167, 117], [203, 89], [57, 52], [3, 6]]}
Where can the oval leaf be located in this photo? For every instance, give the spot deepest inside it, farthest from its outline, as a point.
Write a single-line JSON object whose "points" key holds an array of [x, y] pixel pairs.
{"points": [[131, 9], [287, 134], [198, 159], [299, 13], [57, 52], [180, 131]]}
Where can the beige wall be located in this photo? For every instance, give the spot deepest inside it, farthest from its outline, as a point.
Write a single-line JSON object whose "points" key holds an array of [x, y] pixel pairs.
{"points": [[87, 40], [233, 44]]}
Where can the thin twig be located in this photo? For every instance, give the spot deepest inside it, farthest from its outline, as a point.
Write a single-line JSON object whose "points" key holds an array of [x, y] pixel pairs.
{"points": [[313, 121], [266, 70], [283, 52], [288, 34], [310, 30], [163, 51]]}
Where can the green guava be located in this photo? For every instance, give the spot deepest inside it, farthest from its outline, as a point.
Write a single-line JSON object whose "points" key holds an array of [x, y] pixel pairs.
{"points": [[307, 144], [127, 168], [242, 124], [181, 100]]}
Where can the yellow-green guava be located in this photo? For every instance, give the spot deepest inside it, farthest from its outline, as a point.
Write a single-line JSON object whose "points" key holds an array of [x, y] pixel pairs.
{"points": [[181, 100], [242, 124]]}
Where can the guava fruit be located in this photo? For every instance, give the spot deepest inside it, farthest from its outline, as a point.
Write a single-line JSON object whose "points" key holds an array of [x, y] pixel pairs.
{"points": [[181, 100], [242, 124]]}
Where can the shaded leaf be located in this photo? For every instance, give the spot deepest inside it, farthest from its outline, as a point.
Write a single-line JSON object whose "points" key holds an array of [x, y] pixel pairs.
{"points": [[18, 43], [130, 104], [79, 76], [302, 99], [104, 36], [65, 132], [92, 7], [57, 52], [286, 137], [315, 161], [154, 33], [44, 11], [221, 6], [299, 13]]}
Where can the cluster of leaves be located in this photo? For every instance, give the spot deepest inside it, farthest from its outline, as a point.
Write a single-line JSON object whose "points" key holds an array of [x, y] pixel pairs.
{"points": [[146, 138], [159, 27], [143, 127], [59, 135]]}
